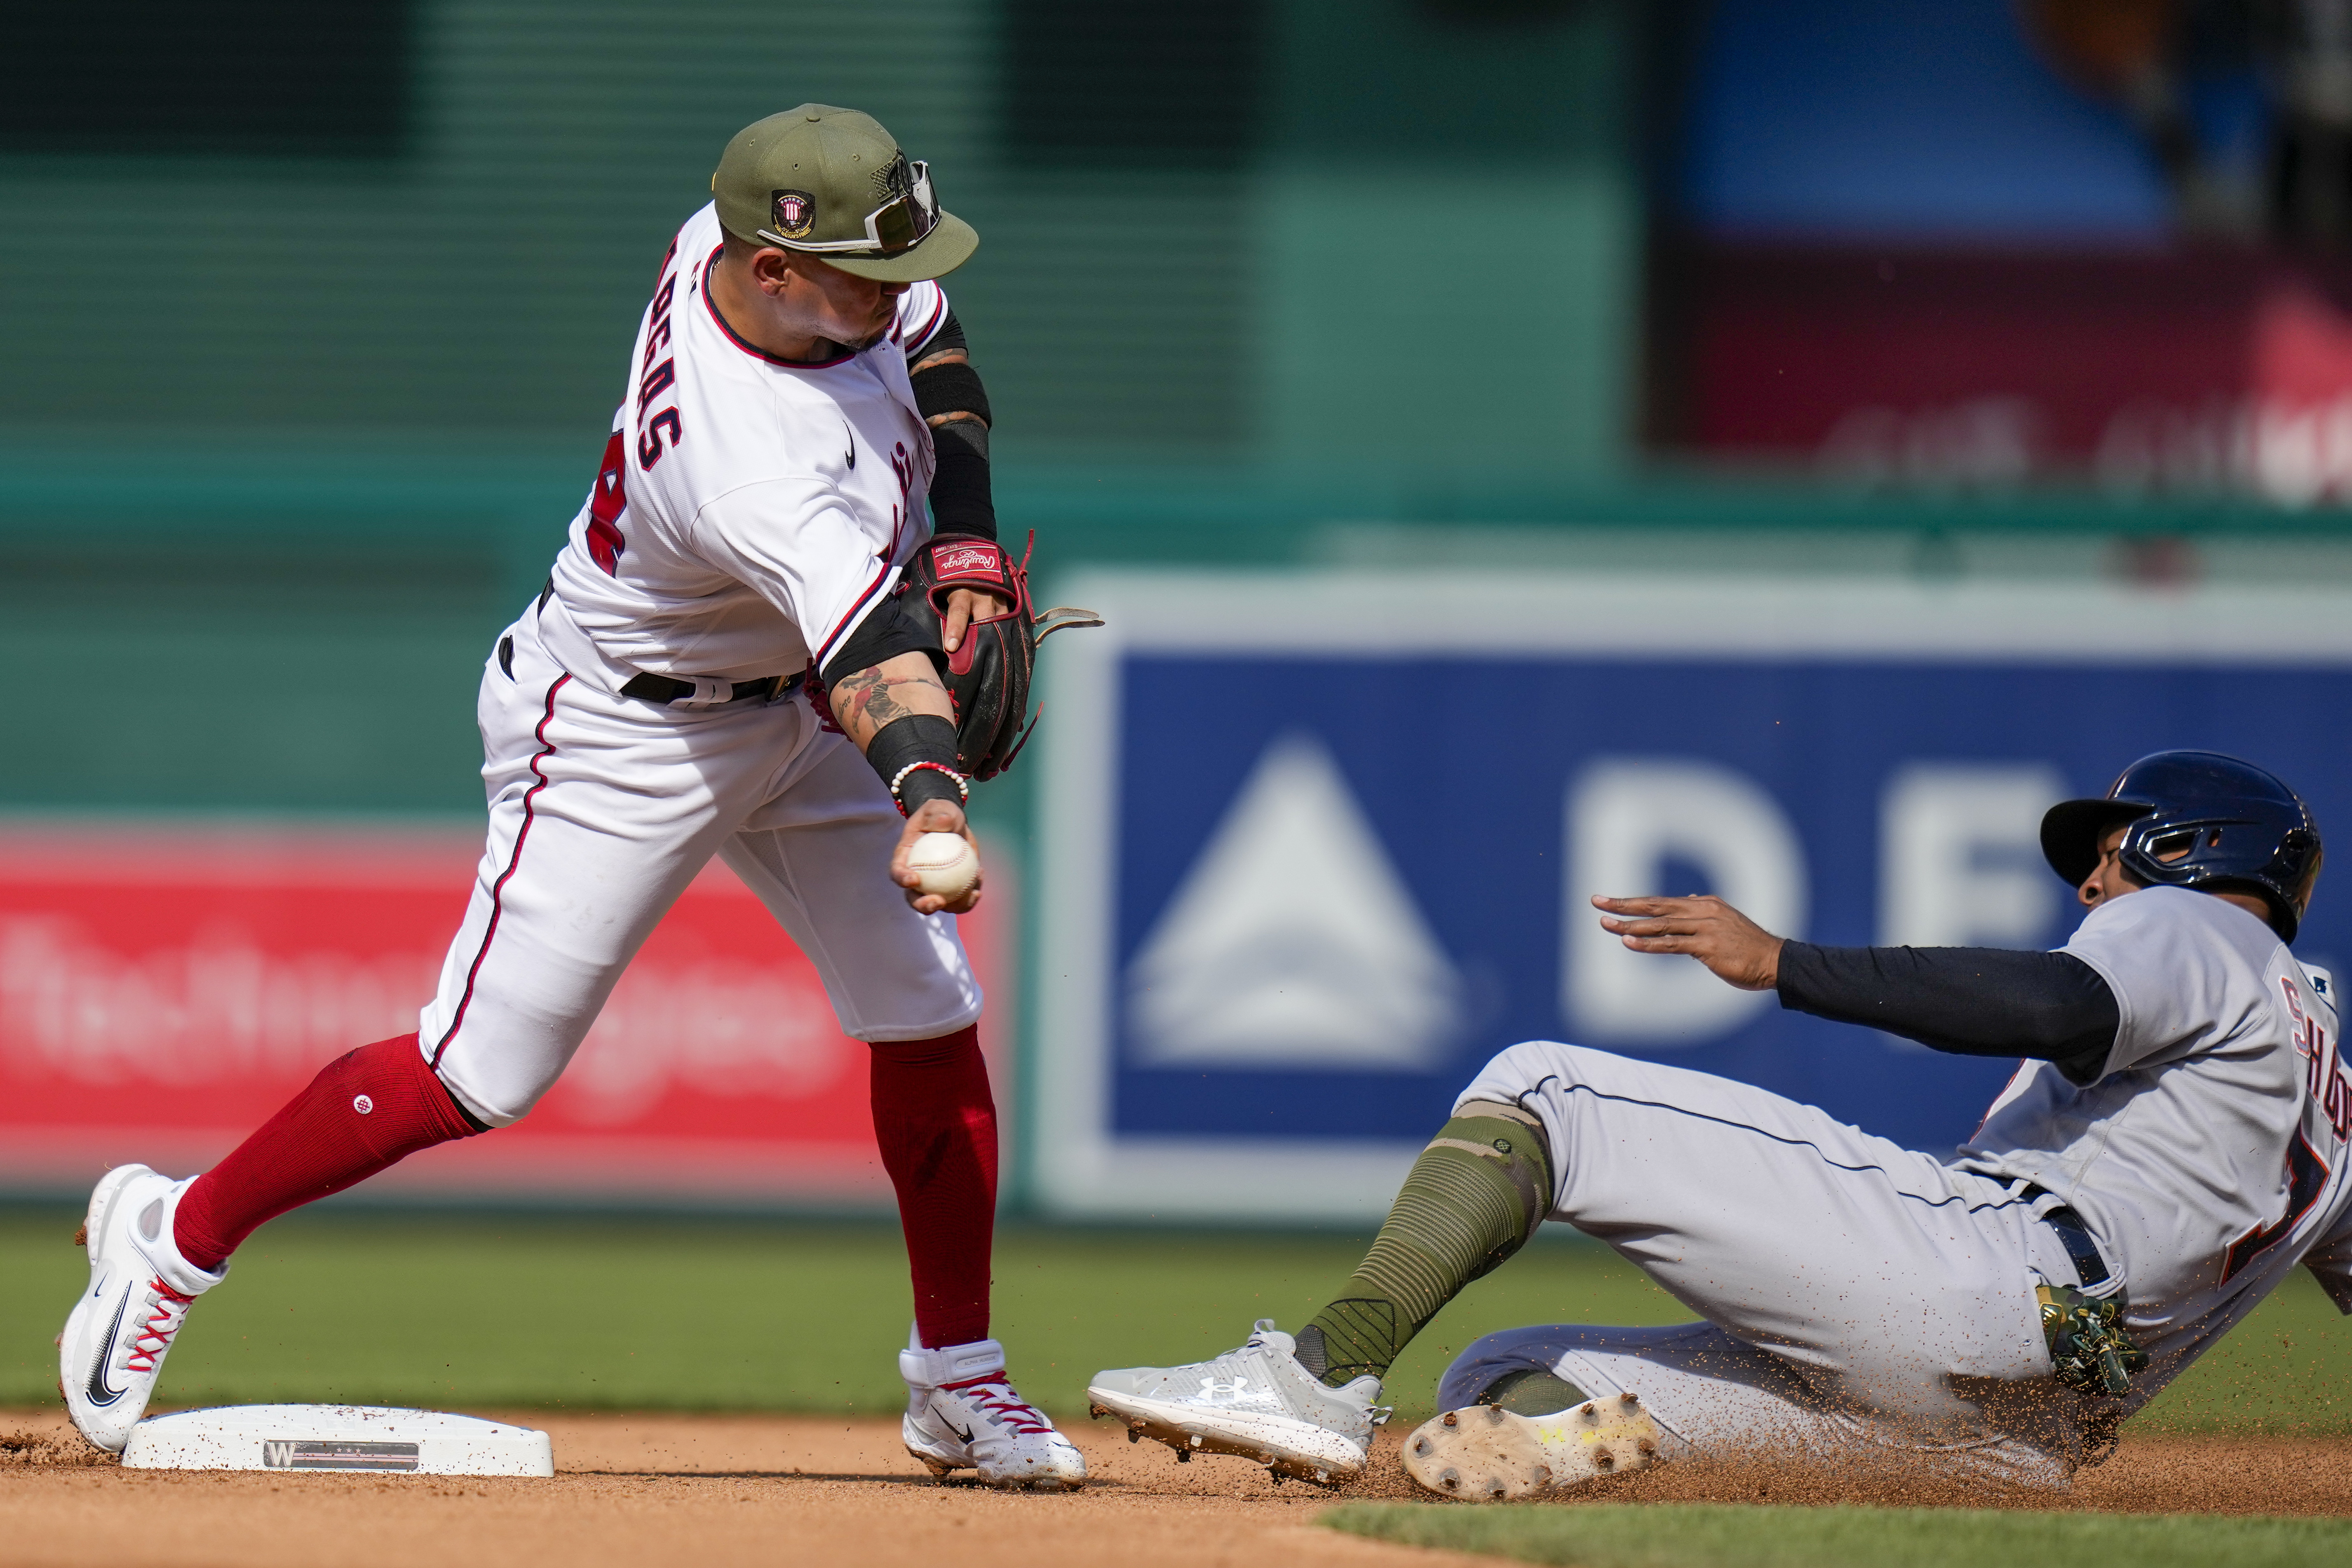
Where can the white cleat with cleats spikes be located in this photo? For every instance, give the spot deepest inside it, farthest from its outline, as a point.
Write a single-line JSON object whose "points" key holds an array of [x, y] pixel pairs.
{"points": [[1487, 1454], [963, 1415], [1256, 1401], [124, 1321]]}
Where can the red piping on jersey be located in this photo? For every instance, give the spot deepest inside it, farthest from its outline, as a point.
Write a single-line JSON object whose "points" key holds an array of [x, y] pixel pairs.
{"points": [[850, 613], [514, 862], [859, 603], [939, 302], [753, 349]]}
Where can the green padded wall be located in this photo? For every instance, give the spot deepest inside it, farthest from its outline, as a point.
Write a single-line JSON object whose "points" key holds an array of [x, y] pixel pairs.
{"points": [[286, 441]]}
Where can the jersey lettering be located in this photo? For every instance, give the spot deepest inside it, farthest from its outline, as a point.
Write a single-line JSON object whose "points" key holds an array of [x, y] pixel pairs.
{"points": [[2323, 1065], [662, 377], [658, 380], [650, 445]]}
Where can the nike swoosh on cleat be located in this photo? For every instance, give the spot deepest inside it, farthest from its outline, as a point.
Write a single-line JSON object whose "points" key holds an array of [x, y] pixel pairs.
{"points": [[96, 1388], [962, 1432]]}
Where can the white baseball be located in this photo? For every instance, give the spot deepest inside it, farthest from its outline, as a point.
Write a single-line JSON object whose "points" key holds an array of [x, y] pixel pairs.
{"points": [[943, 863]]}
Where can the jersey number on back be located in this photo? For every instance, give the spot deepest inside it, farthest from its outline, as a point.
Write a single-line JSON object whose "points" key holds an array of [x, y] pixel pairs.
{"points": [[605, 504]]}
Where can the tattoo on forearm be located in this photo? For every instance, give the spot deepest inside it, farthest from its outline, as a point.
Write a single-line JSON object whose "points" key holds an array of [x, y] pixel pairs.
{"points": [[865, 702]]}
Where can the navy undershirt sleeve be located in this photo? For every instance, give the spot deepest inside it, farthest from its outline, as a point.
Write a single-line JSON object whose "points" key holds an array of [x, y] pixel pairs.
{"points": [[1969, 1001]]}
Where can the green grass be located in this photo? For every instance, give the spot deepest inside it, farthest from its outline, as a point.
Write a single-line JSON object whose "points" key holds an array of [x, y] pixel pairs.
{"points": [[544, 1312], [1696, 1535], [741, 1314]]}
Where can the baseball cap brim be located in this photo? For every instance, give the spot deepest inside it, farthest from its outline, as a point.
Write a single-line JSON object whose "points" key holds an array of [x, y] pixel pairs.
{"points": [[942, 250]]}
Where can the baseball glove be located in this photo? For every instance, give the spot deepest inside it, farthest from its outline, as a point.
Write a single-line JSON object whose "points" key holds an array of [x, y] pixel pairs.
{"points": [[988, 676]]}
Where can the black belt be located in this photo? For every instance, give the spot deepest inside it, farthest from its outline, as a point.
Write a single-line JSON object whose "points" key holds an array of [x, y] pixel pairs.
{"points": [[665, 689], [2090, 1268]]}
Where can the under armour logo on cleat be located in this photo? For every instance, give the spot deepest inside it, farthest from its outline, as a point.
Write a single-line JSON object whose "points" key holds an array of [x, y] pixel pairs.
{"points": [[1237, 1392]]}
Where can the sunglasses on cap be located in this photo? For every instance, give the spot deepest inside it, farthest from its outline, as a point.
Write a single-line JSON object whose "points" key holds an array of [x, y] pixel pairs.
{"points": [[899, 225]]}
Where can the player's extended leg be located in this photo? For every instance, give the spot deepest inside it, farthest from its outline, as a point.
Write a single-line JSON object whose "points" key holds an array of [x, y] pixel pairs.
{"points": [[602, 810], [900, 982], [1889, 1285], [1307, 1406]]}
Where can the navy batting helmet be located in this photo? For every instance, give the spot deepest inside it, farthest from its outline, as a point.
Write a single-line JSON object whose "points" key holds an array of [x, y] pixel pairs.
{"points": [[2198, 819]]}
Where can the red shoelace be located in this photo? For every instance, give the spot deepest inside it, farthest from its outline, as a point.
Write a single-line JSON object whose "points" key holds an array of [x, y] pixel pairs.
{"points": [[169, 1309], [994, 1395]]}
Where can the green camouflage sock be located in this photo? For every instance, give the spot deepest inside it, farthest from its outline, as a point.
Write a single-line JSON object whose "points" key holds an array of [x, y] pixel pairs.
{"points": [[1472, 1198]]}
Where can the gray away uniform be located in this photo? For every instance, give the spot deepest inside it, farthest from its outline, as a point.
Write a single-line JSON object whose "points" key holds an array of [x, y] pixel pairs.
{"points": [[1859, 1295]]}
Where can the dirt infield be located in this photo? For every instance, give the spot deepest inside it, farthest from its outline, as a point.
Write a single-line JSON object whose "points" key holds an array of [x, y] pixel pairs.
{"points": [[721, 1489]]}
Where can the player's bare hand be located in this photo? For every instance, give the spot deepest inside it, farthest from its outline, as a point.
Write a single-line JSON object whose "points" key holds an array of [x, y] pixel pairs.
{"points": [[933, 816], [966, 605], [1735, 947]]}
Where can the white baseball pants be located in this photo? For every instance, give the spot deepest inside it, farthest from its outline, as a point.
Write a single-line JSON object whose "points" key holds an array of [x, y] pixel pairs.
{"points": [[1854, 1293], [603, 809]]}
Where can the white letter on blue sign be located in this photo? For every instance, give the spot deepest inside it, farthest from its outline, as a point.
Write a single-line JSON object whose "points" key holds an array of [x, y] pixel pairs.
{"points": [[1959, 856], [1626, 818]]}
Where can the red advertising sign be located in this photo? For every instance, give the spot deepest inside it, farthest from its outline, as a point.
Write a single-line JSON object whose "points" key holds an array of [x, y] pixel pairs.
{"points": [[2197, 370], [163, 989]]}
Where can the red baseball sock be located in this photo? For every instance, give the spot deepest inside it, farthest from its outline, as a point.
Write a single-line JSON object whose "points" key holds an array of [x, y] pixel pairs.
{"points": [[365, 1111], [936, 1123]]}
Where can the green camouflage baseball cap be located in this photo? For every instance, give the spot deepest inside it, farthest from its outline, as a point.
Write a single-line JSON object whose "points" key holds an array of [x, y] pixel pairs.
{"points": [[832, 183]]}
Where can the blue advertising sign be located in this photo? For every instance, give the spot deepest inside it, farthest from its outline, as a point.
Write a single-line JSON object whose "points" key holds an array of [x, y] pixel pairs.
{"points": [[1316, 846]]}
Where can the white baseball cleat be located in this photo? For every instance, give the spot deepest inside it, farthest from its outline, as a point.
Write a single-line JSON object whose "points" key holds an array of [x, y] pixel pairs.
{"points": [[963, 1415], [1486, 1454], [140, 1289], [1257, 1401]]}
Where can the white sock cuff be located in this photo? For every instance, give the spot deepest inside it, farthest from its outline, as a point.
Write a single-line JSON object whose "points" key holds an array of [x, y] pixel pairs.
{"points": [[935, 1368], [163, 1248]]}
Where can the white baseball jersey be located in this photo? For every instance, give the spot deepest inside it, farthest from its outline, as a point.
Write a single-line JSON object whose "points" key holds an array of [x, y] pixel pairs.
{"points": [[2208, 1159], [749, 510], [747, 513]]}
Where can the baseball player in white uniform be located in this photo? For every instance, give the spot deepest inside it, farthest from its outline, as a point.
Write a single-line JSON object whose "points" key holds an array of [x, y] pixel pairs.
{"points": [[718, 643], [2172, 1147]]}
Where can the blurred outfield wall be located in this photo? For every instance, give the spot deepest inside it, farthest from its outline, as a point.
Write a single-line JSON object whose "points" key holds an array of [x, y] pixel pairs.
{"points": [[1194, 226]]}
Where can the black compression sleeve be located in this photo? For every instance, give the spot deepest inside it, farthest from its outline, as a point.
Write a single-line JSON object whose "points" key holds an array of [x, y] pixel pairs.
{"points": [[949, 336], [1970, 1000], [886, 632], [916, 738], [962, 497]]}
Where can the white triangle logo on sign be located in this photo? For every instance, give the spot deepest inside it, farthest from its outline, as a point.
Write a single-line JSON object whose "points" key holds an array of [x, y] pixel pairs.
{"points": [[1293, 942]]}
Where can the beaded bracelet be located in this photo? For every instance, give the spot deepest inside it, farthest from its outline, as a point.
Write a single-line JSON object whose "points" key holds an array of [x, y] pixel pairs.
{"points": [[964, 785]]}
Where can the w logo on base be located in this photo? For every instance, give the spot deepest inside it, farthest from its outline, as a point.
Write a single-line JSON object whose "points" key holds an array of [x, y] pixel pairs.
{"points": [[301, 1454]]}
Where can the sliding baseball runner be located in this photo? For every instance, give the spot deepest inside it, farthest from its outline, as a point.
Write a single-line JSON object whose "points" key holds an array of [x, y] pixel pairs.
{"points": [[2172, 1147], [781, 634]]}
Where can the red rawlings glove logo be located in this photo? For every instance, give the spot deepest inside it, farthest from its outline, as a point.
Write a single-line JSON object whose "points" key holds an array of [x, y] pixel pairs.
{"points": [[969, 559]]}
